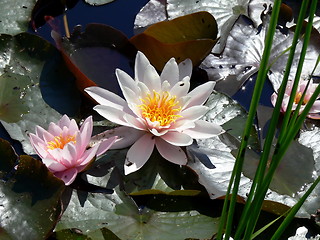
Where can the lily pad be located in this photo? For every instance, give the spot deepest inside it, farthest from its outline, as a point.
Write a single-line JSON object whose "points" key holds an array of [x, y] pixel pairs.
{"points": [[164, 40], [9, 158], [93, 55], [243, 52], [12, 106], [119, 214], [284, 189], [29, 59], [15, 16], [98, 2], [30, 201]]}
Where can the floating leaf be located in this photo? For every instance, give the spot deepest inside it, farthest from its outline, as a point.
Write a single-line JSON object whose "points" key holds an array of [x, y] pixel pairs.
{"points": [[219, 152], [8, 157], [168, 39], [242, 55], [119, 214], [14, 16], [93, 55], [29, 201], [32, 61], [98, 2], [153, 12], [12, 106]]}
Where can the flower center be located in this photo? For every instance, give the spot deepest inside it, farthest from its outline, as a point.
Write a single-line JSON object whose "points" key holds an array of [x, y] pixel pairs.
{"points": [[298, 98], [60, 141], [162, 108]]}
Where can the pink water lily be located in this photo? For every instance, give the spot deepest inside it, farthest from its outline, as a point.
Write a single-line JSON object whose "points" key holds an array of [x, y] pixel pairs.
{"points": [[315, 109], [63, 147], [159, 109]]}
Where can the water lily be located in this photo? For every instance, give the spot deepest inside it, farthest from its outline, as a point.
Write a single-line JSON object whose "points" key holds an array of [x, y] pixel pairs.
{"points": [[159, 109], [63, 147], [301, 87]]}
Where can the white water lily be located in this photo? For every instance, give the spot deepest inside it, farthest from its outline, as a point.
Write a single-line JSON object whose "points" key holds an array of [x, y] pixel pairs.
{"points": [[159, 109]]}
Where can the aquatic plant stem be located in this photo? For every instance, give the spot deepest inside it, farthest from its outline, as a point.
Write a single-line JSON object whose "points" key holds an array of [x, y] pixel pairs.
{"points": [[236, 174], [272, 127]]}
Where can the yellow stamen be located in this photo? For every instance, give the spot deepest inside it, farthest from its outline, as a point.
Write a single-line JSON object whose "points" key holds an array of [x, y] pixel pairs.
{"points": [[60, 141], [298, 98], [160, 107]]}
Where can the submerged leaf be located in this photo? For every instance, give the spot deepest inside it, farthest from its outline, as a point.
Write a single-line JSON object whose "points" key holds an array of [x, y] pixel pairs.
{"points": [[168, 39]]}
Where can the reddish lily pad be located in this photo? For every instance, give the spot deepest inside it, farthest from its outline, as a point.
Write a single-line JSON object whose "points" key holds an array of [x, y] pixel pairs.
{"points": [[164, 40], [93, 55]]}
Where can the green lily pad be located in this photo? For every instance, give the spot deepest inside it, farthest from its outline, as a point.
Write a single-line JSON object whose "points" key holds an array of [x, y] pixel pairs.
{"points": [[119, 214], [12, 106], [15, 15], [30, 201], [35, 71]]}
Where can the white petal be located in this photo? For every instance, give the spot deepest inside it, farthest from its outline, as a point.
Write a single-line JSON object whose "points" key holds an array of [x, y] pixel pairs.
{"points": [[107, 98], [170, 72], [112, 114], [67, 176], [177, 138], [53, 165], [194, 113], [172, 153], [139, 153], [181, 88], [126, 136], [140, 66], [200, 94], [204, 129], [152, 79], [185, 69], [105, 145], [135, 122], [125, 81]]}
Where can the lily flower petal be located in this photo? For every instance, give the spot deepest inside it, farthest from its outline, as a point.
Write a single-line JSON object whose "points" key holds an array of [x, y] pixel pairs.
{"points": [[63, 148], [200, 94], [177, 138], [161, 109], [67, 176], [139, 153], [105, 97], [204, 129], [170, 152], [170, 72]]}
